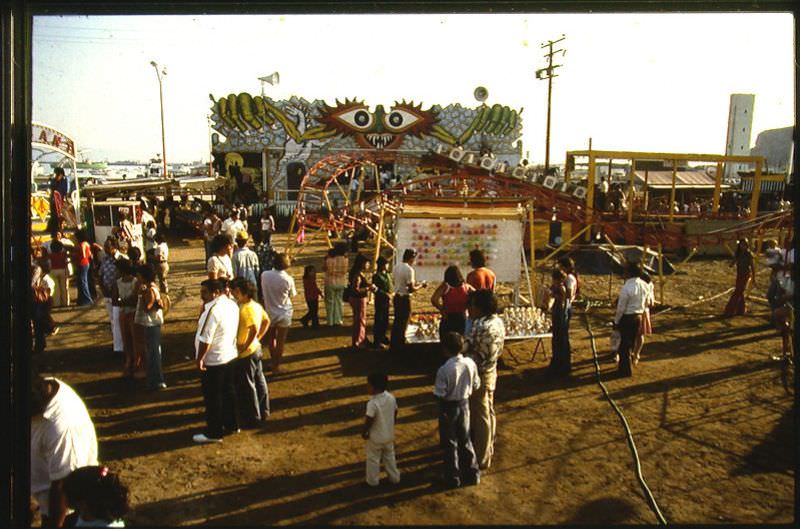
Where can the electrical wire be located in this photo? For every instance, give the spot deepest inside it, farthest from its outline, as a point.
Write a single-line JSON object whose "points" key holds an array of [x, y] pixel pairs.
{"points": [[629, 436]]}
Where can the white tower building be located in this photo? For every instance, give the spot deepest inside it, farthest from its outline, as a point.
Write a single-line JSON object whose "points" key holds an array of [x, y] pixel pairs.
{"points": [[740, 121]]}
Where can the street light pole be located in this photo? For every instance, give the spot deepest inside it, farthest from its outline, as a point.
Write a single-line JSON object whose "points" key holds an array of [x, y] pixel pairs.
{"points": [[547, 73], [163, 71]]}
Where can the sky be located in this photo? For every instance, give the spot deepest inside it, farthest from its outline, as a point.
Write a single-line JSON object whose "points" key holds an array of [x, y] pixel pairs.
{"points": [[640, 82]]}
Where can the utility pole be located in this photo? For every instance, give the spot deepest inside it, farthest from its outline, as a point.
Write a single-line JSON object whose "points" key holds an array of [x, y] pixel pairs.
{"points": [[547, 73], [160, 74]]}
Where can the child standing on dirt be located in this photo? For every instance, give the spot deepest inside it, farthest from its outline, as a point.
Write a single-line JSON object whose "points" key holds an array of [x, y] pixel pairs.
{"points": [[379, 430], [455, 382], [312, 294]]}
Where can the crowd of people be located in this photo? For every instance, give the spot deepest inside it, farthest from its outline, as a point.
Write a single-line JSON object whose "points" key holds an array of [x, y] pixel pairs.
{"points": [[247, 300]]}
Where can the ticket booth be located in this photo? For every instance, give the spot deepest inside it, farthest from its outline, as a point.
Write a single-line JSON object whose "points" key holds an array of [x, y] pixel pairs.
{"points": [[106, 215]]}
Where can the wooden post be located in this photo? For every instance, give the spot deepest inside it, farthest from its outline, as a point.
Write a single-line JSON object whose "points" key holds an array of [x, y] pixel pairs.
{"points": [[646, 190], [610, 277], [533, 251], [630, 191], [566, 168], [660, 274], [380, 238], [717, 188], [672, 192], [756, 190]]}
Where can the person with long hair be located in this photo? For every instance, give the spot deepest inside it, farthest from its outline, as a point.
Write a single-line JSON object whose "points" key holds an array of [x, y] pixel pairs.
{"points": [[358, 290], [84, 263], [450, 297], [150, 316], [384, 287], [125, 296], [335, 267], [278, 288], [745, 272], [98, 496], [559, 302], [646, 328]]}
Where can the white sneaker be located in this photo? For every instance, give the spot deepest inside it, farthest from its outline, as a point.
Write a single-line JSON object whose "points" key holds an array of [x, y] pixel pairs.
{"points": [[201, 438]]}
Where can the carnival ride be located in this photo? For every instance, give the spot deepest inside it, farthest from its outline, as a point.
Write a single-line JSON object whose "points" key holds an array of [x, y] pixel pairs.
{"points": [[328, 203]]}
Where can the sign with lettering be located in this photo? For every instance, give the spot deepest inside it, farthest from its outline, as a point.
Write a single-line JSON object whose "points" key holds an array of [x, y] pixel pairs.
{"points": [[44, 135]]}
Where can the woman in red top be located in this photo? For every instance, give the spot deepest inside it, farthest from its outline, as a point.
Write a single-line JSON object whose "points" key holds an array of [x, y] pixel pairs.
{"points": [[451, 299], [481, 278], [84, 262]]}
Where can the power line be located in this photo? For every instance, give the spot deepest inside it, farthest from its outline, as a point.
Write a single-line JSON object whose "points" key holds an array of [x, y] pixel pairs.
{"points": [[548, 73]]}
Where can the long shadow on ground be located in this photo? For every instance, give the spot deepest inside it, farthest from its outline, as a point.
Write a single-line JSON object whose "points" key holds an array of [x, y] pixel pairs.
{"points": [[239, 505]]}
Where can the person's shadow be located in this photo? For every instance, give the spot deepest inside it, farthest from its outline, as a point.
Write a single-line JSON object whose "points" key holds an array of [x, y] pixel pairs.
{"points": [[605, 511]]}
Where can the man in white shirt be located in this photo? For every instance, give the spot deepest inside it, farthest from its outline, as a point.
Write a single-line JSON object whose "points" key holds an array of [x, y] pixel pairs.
{"points": [[232, 225], [62, 439], [455, 382], [215, 352], [405, 284], [630, 305]]}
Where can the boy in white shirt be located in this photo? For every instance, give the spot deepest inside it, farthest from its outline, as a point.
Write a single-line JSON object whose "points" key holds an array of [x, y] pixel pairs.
{"points": [[379, 430]]}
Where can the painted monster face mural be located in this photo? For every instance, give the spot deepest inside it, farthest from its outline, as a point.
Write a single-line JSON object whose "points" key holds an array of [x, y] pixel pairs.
{"points": [[380, 129], [296, 130]]}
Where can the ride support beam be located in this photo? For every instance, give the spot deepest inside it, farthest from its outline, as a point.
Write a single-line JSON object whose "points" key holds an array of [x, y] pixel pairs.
{"points": [[590, 195], [630, 191], [533, 248], [672, 191], [756, 191], [661, 273], [717, 188]]}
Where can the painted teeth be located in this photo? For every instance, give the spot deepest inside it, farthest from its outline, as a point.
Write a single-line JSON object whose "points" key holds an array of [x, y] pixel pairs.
{"points": [[380, 141]]}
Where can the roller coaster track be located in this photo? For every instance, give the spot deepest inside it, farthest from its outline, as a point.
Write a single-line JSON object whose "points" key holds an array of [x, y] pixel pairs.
{"points": [[324, 202]]}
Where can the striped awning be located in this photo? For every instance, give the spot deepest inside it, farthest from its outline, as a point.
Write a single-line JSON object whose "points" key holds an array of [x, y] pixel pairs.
{"points": [[767, 186]]}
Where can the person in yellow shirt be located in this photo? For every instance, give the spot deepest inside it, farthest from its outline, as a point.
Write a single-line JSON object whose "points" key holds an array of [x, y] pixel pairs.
{"points": [[251, 386]]}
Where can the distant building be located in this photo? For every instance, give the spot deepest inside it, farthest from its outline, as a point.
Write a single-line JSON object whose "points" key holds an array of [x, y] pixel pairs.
{"points": [[740, 121], [777, 146]]}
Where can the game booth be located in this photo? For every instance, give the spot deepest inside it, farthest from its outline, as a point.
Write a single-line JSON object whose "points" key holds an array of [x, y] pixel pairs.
{"points": [[444, 234], [106, 215]]}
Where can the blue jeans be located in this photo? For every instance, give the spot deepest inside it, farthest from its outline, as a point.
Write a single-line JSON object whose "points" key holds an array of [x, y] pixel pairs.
{"points": [[459, 456], [152, 340], [84, 296], [252, 391]]}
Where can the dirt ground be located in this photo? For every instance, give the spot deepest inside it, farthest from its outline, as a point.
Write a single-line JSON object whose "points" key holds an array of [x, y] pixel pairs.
{"points": [[712, 424]]}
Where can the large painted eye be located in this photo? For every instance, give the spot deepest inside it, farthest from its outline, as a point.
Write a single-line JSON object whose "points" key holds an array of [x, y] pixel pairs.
{"points": [[359, 118], [400, 119]]}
